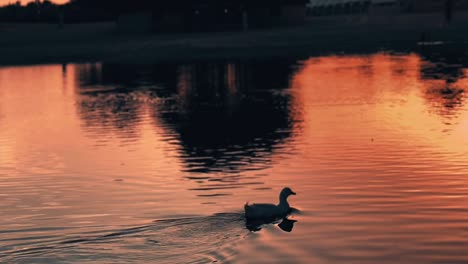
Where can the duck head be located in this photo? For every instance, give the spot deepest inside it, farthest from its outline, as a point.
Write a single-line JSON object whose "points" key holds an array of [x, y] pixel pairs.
{"points": [[286, 192], [283, 198]]}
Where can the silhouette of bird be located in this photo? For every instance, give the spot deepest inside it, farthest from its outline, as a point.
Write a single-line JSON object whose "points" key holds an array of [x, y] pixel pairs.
{"points": [[270, 211]]}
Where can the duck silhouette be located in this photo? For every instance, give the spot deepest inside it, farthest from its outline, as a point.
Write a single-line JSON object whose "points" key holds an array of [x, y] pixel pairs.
{"points": [[268, 213], [287, 224], [284, 224]]}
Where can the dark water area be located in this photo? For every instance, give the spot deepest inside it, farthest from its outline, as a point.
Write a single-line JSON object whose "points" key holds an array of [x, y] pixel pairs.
{"points": [[153, 163]]}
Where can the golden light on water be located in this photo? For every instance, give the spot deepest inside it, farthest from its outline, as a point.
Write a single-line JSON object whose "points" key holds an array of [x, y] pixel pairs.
{"points": [[375, 146], [51, 105], [392, 101]]}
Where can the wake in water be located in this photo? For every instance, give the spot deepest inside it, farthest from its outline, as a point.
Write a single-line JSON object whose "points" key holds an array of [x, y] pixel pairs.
{"points": [[196, 239], [191, 239]]}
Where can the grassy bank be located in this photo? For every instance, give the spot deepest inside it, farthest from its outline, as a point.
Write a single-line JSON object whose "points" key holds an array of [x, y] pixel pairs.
{"points": [[36, 44]]}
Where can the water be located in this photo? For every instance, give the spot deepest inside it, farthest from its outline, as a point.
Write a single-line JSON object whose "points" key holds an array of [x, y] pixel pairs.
{"points": [[108, 163]]}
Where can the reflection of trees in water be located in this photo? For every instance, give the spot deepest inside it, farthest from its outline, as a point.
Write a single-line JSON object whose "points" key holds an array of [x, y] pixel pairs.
{"points": [[108, 104], [445, 99], [224, 117], [104, 114], [229, 117], [113, 96], [440, 66], [127, 76], [443, 71]]}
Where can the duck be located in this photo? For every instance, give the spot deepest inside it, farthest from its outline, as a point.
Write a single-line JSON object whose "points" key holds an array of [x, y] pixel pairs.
{"points": [[270, 211]]}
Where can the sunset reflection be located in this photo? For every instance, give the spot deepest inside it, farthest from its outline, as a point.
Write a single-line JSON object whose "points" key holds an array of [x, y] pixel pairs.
{"points": [[144, 156], [376, 123], [51, 104], [208, 109], [377, 86]]}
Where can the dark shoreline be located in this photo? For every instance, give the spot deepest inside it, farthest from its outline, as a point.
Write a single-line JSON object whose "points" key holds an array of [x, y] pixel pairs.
{"points": [[100, 43]]}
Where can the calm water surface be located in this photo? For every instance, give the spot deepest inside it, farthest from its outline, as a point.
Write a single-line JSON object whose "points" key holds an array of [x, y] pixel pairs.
{"points": [[108, 163]]}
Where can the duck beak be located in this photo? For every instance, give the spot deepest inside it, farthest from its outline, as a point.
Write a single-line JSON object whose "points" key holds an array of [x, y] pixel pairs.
{"points": [[293, 193]]}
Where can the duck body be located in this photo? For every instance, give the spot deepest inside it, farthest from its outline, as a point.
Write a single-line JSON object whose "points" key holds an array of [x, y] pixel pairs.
{"points": [[261, 211], [270, 211]]}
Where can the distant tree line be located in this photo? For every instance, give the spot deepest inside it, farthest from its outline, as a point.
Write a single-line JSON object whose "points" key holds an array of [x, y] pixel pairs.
{"points": [[46, 11], [34, 11], [103, 10]]}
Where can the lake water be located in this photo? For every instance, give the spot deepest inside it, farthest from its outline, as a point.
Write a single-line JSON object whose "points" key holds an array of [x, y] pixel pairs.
{"points": [[109, 163]]}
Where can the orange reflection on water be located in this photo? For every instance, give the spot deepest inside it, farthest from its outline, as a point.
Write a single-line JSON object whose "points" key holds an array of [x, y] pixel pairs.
{"points": [[374, 146], [385, 161], [342, 92], [32, 97], [364, 120]]}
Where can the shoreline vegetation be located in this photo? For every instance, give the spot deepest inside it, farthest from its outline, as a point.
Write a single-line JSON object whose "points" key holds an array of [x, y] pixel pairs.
{"points": [[22, 44]]}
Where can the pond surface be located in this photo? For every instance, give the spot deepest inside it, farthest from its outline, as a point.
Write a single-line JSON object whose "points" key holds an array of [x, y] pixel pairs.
{"points": [[108, 163]]}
